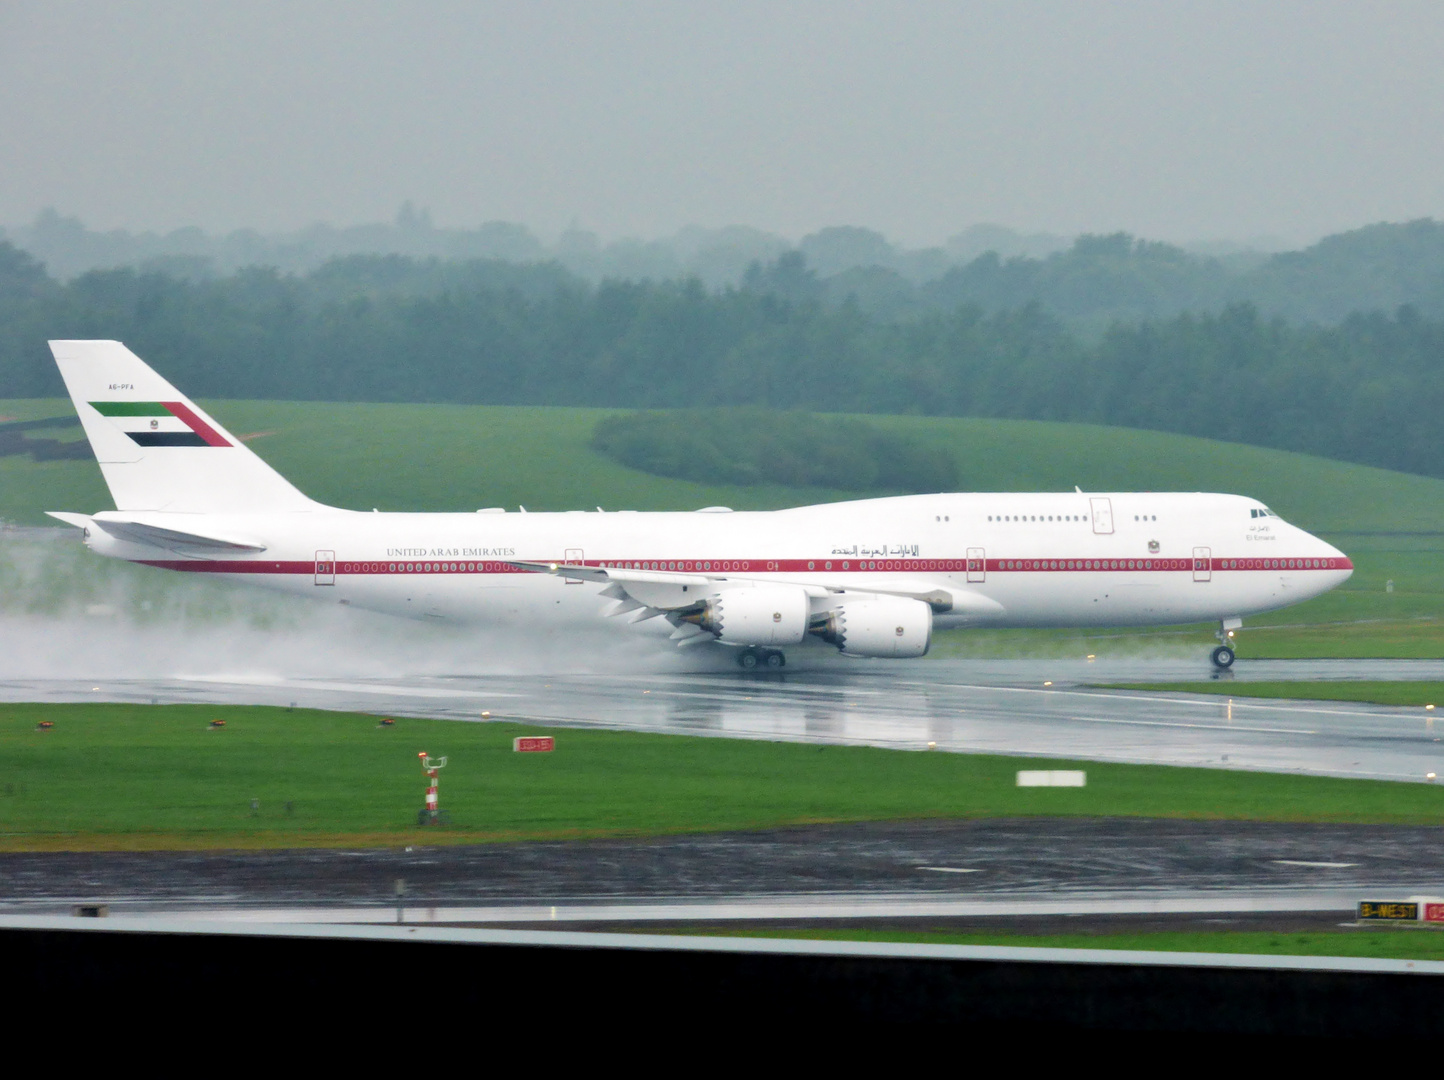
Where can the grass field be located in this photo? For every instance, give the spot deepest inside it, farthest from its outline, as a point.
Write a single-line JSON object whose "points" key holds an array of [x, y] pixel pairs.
{"points": [[1401, 693], [460, 457], [1403, 944], [443, 457], [111, 777]]}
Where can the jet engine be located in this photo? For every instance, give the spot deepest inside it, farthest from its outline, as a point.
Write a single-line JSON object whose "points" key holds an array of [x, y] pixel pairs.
{"points": [[890, 626], [765, 615]]}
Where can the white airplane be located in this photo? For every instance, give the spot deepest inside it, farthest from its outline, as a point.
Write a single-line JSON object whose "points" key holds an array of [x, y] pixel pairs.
{"points": [[871, 577]]}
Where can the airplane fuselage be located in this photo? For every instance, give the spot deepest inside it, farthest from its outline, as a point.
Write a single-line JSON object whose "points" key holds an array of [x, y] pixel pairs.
{"points": [[984, 559], [872, 577]]}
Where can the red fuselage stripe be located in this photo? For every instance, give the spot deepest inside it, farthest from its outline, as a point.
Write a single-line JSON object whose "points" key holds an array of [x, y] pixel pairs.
{"points": [[373, 568]]}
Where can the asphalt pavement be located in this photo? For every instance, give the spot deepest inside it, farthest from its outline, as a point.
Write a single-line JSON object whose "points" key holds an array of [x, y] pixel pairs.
{"points": [[1065, 873], [1037, 708]]}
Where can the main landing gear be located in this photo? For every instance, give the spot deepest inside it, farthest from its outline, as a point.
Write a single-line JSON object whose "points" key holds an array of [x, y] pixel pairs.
{"points": [[1223, 656], [750, 659]]}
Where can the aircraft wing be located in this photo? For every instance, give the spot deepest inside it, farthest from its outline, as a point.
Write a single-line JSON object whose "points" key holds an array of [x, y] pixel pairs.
{"points": [[615, 574], [648, 593]]}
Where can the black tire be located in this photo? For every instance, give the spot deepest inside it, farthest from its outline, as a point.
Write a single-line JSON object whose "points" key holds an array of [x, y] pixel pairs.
{"points": [[1223, 658], [747, 659], [776, 661]]}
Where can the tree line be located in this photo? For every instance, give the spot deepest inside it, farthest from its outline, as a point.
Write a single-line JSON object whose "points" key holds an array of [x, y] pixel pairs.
{"points": [[361, 329], [1088, 281]]}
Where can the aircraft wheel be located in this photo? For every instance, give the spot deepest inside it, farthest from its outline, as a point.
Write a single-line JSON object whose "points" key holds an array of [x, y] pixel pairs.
{"points": [[747, 659], [775, 660], [1223, 657]]}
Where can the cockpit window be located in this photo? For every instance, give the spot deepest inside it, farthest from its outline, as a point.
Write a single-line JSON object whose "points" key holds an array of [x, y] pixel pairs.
{"points": [[1261, 512]]}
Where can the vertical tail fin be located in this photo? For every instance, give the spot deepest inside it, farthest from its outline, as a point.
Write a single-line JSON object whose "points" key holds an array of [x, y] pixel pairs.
{"points": [[157, 449]]}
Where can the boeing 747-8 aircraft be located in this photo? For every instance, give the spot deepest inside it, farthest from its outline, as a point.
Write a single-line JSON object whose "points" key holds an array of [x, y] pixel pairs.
{"points": [[871, 577]]}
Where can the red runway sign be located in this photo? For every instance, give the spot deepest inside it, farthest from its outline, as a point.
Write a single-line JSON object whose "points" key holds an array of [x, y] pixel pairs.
{"points": [[524, 744]]}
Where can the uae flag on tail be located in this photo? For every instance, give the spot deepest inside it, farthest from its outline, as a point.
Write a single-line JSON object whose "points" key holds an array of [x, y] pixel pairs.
{"points": [[160, 423]]}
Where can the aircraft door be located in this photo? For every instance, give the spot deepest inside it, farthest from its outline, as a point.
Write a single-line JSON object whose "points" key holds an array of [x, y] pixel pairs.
{"points": [[325, 568], [1102, 516], [576, 557], [977, 565], [1202, 564]]}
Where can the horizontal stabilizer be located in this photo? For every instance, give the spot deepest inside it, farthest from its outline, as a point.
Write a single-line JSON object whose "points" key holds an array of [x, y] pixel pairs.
{"points": [[139, 533], [80, 521], [168, 537]]}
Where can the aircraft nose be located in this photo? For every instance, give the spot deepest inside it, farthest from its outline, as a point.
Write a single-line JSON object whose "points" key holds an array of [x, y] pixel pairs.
{"points": [[1341, 565]]}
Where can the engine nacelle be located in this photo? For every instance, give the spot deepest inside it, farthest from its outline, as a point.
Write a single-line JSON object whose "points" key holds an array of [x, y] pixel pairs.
{"points": [[765, 615], [891, 626]]}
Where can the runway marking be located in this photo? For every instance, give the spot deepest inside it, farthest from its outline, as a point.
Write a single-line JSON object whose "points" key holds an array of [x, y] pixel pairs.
{"points": [[1180, 724], [951, 869], [1241, 701], [1327, 865], [358, 687]]}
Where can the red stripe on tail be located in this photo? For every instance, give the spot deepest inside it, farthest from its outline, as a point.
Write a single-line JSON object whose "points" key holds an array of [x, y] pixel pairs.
{"points": [[181, 411]]}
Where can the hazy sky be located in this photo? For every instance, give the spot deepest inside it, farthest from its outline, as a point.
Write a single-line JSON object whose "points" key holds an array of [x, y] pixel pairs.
{"points": [[1173, 120]]}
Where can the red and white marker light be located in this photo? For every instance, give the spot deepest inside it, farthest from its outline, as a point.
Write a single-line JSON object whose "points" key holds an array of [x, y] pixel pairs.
{"points": [[431, 766]]}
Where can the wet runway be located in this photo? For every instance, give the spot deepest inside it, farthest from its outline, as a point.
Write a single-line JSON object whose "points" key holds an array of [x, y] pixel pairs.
{"points": [[1039, 874], [1102, 873], [1043, 708]]}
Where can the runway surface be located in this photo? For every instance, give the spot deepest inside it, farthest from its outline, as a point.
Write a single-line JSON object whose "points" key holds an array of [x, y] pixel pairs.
{"points": [[1042, 876], [1117, 873], [1040, 708]]}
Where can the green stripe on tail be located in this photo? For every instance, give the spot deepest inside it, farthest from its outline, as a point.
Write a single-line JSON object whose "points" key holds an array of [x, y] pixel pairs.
{"points": [[130, 408]]}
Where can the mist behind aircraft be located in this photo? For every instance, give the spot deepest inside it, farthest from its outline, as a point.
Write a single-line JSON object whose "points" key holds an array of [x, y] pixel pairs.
{"points": [[65, 614]]}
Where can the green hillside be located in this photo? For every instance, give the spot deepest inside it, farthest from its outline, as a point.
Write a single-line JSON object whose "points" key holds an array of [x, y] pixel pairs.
{"points": [[445, 457]]}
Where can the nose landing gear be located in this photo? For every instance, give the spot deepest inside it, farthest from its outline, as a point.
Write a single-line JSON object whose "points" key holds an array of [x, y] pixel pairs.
{"points": [[1223, 656], [751, 658]]}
